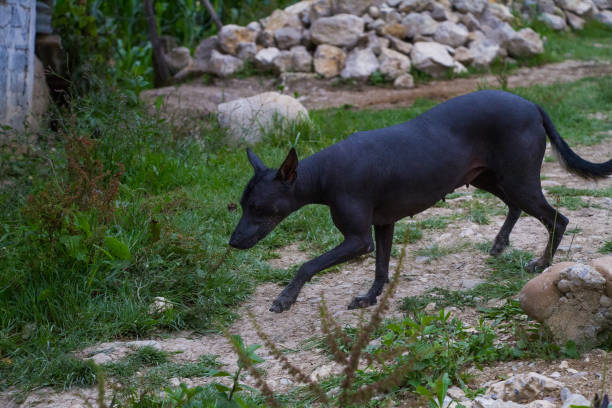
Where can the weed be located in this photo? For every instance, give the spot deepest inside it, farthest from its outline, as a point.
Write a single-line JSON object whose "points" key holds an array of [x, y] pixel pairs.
{"points": [[606, 247]]}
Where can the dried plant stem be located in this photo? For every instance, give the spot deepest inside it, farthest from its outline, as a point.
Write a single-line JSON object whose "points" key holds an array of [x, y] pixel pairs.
{"points": [[286, 364]]}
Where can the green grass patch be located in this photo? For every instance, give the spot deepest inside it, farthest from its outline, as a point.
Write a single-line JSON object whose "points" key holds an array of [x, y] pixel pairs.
{"points": [[606, 248]]}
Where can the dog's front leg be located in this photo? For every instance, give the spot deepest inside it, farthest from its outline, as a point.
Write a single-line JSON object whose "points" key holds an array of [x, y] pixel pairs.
{"points": [[352, 247]]}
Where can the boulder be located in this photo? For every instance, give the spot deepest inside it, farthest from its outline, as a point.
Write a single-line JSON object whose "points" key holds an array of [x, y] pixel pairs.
{"points": [[246, 51], [404, 81], [248, 119], [400, 46], [372, 41], [283, 62], [470, 22], [393, 64], [604, 17], [223, 65], [231, 35], [265, 58], [499, 33], [486, 402], [355, 7], [483, 52], [500, 11], [204, 50], [420, 24], [318, 9], [524, 388], [177, 59], [603, 4], [408, 6], [432, 58], [540, 295], [397, 30], [579, 7], [603, 265], [287, 37], [302, 60], [470, 6], [547, 6], [342, 30], [451, 34], [553, 21], [463, 55], [360, 64], [40, 97], [329, 60], [524, 43], [280, 19], [575, 22]]}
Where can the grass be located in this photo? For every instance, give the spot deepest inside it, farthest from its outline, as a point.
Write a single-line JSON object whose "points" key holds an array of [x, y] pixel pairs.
{"points": [[92, 278]]}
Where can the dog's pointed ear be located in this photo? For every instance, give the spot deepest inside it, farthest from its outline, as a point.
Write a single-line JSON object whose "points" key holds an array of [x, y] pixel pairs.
{"points": [[255, 161], [288, 170]]}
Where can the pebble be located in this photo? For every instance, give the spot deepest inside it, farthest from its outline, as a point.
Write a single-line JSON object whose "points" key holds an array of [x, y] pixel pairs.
{"points": [[555, 374]]}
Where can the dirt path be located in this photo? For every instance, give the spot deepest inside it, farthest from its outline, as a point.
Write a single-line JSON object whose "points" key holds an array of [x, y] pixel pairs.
{"points": [[196, 98]]}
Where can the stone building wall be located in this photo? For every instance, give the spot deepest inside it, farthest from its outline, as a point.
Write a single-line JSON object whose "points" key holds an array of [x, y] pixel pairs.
{"points": [[17, 64]]}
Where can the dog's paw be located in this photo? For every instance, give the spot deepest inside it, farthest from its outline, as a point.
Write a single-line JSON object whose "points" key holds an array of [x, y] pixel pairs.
{"points": [[536, 266], [281, 304], [359, 302]]}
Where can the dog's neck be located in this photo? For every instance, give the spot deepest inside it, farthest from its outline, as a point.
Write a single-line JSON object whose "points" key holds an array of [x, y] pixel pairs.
{"points": [[307, 188]]}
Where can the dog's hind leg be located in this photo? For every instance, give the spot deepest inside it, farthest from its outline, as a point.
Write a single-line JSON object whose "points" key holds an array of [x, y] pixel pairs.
{"points": [[529, 198], [486, 181], [384, 242]]}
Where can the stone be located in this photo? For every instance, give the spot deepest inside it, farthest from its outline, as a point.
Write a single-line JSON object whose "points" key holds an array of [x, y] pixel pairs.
{"points": [[540, 404], [254, 26], [40, 98], [483, 52], [177, 59], [470, 22], [604, 17], [553, 21], [329, 60], [524, 43], [287, 37], [451, 34], [223, 65], [500, 11], [575, 400], [540, 295], [374, 12], [280, 19], [323, 372], [397, 30], [160, 305], [283, 62], [372, 41], [575, 22], [393, 64], [231, 35], [400, 46], [470, 6], [246, 51], [265, 58], [463, 55], [249, 119], [408, 6], [318, 9], [302, 60], [419, 24], [265, 39], [342, 30], [404, 81], [603, 4], [355, 7], [485, 402], [432, 58], [204, 50], [360, 64], [301, 7], [390, 15], [501, 33], [547, 6], [523, 388], [603, 265], [579, 7], [583, 276], [467, 284]]}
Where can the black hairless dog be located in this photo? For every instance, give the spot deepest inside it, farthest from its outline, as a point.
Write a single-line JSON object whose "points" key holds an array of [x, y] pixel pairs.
{"points": [[490, 139]]}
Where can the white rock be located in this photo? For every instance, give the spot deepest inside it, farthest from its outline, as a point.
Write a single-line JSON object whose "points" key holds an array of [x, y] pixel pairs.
{"points": [[584, 276], [419, 24], [553, 21], [524, 387], [283, 61], [246, 51], [500, 11], [604, 17], [393, 64], [356, 7], [160, 305], [579, 7], [408, 6], [265, 57], [463, 55], [451, 34], [342, 30], [483, 52], [576, 399], [322, 372], [205, 48], [400, 46], [524, 43], [177, 59], [432, 58], [223, 65], [279, 19], [360, 64], [287, 37], [231, 35], [485, 402], [302, 60], [574, 21], [249, 118], [470, 6], [404, 81]]}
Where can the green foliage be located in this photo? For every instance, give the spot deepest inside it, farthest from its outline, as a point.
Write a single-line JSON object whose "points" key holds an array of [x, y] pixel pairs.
{"points": [[606, 248], [436, 394]]}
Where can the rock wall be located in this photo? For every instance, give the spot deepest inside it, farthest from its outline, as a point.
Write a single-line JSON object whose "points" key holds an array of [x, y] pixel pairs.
{"points": [[17, 64], [356, 38]]}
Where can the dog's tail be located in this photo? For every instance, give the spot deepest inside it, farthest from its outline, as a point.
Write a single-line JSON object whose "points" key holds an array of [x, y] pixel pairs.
{"points": [[570, 160]]}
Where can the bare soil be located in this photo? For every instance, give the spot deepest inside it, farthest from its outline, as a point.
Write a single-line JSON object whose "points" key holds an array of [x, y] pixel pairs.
{"points": [[291, 330]]}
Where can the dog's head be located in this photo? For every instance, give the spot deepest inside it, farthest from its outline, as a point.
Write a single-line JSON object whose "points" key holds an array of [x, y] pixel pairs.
{"points": [[267, 199]]}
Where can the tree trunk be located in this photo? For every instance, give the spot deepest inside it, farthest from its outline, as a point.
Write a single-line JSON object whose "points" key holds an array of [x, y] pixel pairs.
{"points": [[213, 14], [161, 73]]}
